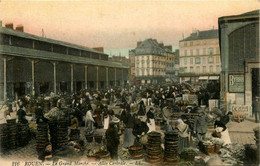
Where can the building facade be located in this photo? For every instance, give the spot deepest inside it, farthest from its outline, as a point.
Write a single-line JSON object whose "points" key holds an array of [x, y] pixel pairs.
{"points": [[200, 57], [149, 62], [36, 65], [239, 45], [132, 66], [170, 63]]}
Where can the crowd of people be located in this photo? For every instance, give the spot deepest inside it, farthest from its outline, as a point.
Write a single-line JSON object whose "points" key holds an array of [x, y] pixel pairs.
{"points": [[140, 108]]}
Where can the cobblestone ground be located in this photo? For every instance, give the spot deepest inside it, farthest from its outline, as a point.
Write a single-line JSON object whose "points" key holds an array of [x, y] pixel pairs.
{"points": [[242, 132]]}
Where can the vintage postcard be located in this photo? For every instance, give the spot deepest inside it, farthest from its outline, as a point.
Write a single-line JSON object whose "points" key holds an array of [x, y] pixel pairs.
{"points": [[122, 82]]}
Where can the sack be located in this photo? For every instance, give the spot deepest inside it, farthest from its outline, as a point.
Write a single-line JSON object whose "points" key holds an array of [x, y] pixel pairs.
{"points": [[144, 139]]}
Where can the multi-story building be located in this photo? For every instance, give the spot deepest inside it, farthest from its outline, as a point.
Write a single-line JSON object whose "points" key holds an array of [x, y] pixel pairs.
{"points": [[150, 62], [200, 57], [170, 63], [176, 67], [132, 66], [239, 43]]}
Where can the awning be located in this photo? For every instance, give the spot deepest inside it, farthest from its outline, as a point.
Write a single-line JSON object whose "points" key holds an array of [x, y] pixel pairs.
{"points": [[213, 77], [203, 77]]}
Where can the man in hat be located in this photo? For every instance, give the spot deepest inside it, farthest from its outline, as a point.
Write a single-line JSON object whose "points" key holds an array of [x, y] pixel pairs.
{"points": [[200, 125], [21, 115], [112, 141], [256, 108]]}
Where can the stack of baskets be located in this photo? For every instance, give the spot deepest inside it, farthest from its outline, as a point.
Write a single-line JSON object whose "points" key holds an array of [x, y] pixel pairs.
{"points": [[23, 134], [153, 148], [53, 134], [12, 132], [171, 147], [3, 137], [59, 134], [136, 152], [62, 133], [41, 137]]}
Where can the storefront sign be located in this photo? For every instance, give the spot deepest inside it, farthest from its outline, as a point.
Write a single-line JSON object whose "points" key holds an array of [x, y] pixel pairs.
{"points": [[236, 83], [240, 110]]}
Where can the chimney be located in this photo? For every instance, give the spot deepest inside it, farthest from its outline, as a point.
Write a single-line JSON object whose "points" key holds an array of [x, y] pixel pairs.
{"points": [[198, 32], [9, 25], [138, 43], [161, 45], [19, 28], [100, 49]]}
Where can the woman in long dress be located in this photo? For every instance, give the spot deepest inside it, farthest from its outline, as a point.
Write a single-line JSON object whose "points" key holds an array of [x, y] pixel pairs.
{"points": [[150, 120], [183, 129], [129, 138], [89, 124]]}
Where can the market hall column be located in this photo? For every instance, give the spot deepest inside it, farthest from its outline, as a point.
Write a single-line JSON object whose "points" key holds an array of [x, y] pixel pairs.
{"points": [[86, 77], [115, 76], [97, 77], [107, 76], [71, 77], [122, 77], [33, 78], [5, 85], [54, 77]]}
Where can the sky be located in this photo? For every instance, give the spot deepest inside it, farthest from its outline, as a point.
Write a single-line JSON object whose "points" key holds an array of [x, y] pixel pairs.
{"points": [[118, 23]]}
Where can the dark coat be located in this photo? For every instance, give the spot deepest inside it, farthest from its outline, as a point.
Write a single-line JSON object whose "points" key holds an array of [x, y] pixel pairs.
{"points": [[149, 116], [112, 138], [139, 128], [201, 124], [123, 116], [142, 109], [21, 116]]}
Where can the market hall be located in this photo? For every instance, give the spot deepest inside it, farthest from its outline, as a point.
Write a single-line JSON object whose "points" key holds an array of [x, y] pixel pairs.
{"points": [[32, 65]]}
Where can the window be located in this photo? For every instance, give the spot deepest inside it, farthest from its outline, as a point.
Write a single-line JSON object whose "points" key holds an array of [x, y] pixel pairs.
{"points": [[191, 69], [210, 60], [204, 51], [211, 69], [197, 60], [185, 69], [210, 51], [191, 52], [185, 61], [204, 69], [217, 50], [218, 68], [198, 69], [198, 52], [191, 61], [185, 52], [204, 60], [217, 60]]}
